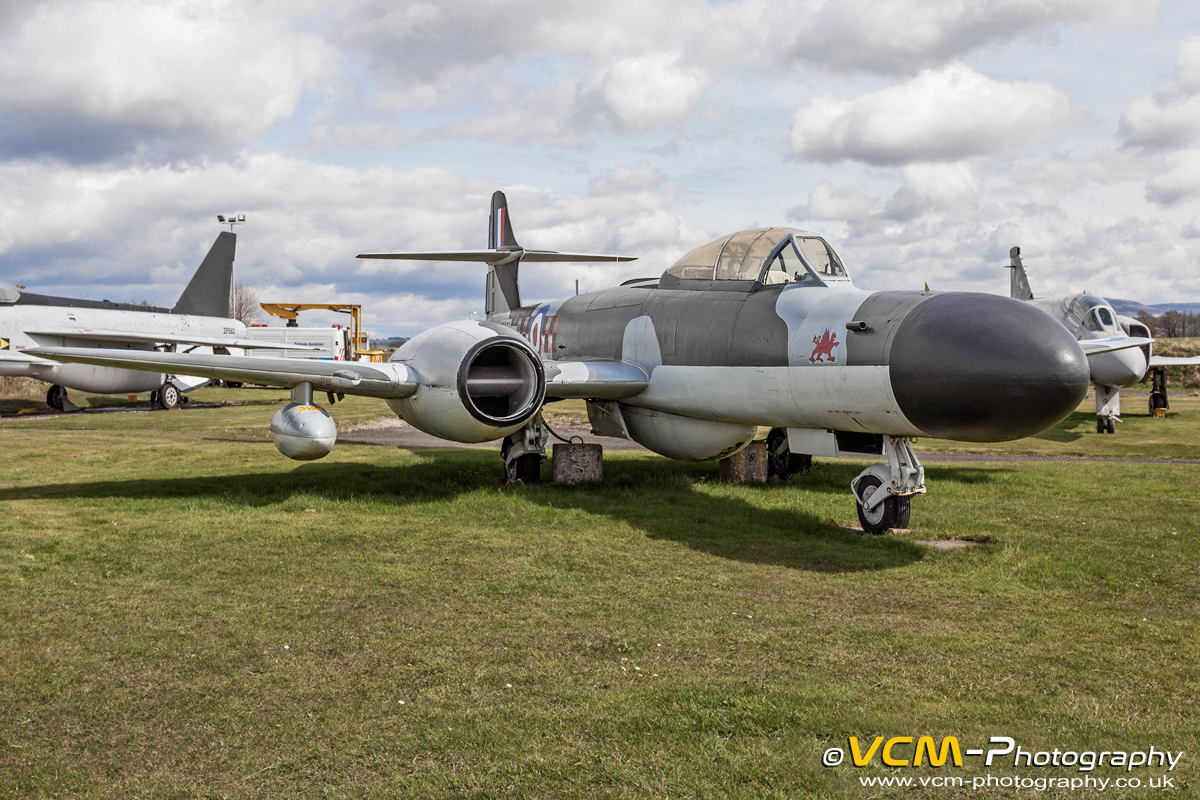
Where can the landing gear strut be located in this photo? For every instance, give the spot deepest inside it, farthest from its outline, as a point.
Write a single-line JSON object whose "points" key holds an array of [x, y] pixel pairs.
{"points": [[1158, 390], [781, 461], [1108, 408], [883, 492], [524, 451]]}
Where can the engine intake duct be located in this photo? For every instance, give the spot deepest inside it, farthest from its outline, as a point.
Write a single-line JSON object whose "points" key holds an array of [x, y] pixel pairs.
{"points": [[501, 381]]}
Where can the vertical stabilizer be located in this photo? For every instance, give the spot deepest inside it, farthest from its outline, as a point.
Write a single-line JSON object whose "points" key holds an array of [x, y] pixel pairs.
{"points": [[500, 235], [207, 294], [503, 289], [1018, 287]]}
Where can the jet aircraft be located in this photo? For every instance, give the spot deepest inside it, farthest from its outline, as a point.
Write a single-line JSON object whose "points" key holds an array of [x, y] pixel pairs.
{"points": [[200, 319], [1091, 319], [761, 327]]}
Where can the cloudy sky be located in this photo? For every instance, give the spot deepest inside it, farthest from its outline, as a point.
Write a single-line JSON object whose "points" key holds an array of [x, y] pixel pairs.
{"points": [[922, 137]]}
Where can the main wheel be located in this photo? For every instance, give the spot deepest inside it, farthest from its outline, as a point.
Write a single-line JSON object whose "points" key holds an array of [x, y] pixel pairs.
{"points": [[1157, 401], [781, 460], [168, 396], [55, 396], [893, 512], [1111, 425], [1100, 426], [527, 469]]}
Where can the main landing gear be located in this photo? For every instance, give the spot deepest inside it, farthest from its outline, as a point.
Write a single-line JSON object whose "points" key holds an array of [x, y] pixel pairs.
{"points": [[524, 451], [1158, 392], [883, 492], [781, 461], [55, 397]]}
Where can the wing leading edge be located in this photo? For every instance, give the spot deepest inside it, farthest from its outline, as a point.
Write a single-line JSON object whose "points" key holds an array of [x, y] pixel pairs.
{"points": [[165, 338], [387, 381]]}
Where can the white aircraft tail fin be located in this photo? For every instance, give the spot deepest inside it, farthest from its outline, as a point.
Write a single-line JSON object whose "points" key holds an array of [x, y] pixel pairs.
{"points": [[208, 293], [1019, 282]]}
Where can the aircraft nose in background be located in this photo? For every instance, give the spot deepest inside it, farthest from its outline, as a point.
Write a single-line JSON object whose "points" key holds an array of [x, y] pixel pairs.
{"points": [[982, 368], [1119, 368]]}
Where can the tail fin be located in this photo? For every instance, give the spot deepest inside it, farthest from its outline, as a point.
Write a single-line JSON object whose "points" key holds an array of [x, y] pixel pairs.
{"points": [[503, 291], [500, 234], [207, 294], [1018, 287]]}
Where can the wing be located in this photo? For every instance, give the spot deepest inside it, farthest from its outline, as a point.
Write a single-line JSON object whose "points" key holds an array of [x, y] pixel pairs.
{"points": [[163, 338], [497, 256], [349, 377], [1174, 361], [1092, 347]]}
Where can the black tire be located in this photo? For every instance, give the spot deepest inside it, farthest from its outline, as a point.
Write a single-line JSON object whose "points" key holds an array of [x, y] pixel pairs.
{"points": [[168, 396], [55, 396], [527, 469], [1157, 401], [894, 512], [781, 461], [233, 384], [1100, 427], [1111, 424]]}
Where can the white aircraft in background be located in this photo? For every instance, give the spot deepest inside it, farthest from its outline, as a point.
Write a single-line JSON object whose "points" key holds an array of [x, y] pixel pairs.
{"points": [[1091, 319], [197, 323]]}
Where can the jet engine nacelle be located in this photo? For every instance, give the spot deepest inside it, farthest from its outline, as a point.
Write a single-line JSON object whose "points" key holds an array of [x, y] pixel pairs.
{"points": [[478, 381], [303, 431]]}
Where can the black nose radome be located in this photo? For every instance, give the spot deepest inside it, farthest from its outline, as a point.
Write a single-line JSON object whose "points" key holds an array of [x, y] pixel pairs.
{"points": [[981, 368]]}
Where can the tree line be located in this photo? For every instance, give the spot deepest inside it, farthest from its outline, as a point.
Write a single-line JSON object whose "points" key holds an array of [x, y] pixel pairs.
{"points": [[1171, 324]]}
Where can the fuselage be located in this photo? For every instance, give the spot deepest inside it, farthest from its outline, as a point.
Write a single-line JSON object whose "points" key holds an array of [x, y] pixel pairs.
{"points": [[951, 365], [24, 326]]}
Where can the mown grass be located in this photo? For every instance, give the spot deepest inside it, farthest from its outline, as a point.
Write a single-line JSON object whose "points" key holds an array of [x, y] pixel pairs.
{"points": [[186, 613]]}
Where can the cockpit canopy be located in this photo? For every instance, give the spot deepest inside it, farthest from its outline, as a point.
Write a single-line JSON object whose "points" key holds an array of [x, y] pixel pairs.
{"points": [[768, 256], [1095, 314], [9, 294]]}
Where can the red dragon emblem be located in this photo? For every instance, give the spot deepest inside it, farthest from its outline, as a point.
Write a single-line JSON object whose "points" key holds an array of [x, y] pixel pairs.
{"points": [[824, 347]]}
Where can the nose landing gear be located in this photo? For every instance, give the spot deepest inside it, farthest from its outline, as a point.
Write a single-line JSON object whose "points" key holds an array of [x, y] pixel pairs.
{"points": [[883, 492]]}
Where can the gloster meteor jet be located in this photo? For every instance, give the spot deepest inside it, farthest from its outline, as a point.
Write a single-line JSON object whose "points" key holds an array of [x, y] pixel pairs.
{"points": [[1128, 348], [200, 320], [761, 327]]}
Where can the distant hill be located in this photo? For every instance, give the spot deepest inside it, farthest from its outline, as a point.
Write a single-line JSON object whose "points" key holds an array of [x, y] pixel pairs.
{"points": [[1131, 308]]}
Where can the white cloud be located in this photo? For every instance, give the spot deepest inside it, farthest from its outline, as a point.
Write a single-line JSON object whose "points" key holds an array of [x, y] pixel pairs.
{"points": [[1170, 116], [828, 202], [904, 36], [929, 187], [1179, 182], [629, 179], [647, 91], [940, 115], [92, 80]]}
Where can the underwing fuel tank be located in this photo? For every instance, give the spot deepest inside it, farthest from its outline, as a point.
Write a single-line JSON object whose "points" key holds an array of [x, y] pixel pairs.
{"points": [[303, 431]]}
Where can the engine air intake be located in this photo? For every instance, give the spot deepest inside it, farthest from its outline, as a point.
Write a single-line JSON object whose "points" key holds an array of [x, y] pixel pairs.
{"points": [[501, 381]]}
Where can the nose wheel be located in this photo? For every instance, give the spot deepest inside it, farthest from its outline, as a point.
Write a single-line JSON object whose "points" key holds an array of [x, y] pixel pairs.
{"points": [[891, 512], [883, 492]]}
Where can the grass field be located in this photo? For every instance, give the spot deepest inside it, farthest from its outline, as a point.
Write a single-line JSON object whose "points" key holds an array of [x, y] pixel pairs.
{"points": [[186, 613]]}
